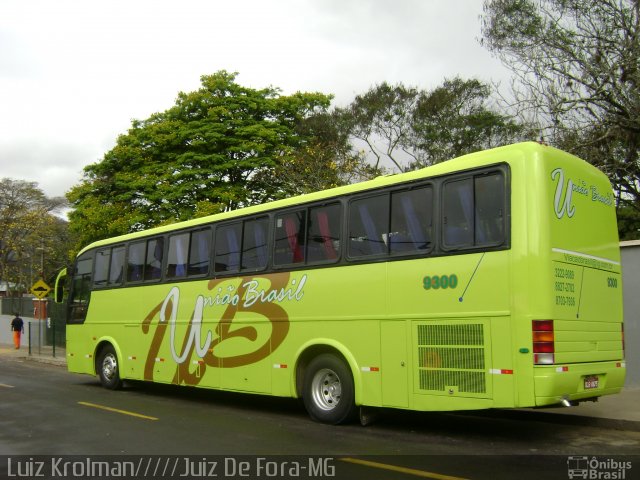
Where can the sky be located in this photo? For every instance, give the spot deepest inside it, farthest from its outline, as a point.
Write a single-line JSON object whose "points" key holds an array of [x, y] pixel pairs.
{"points": [[75, 73]]}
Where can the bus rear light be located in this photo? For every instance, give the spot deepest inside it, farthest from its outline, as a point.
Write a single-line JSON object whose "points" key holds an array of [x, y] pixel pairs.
{"points": [[543, 342], [543, 347], [543, 325], [543, 358], [541, 337]]}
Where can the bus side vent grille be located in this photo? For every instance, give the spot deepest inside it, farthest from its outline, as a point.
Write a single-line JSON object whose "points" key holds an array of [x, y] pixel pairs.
{"points": [[451, 335], [452, 357], [466, 382]]}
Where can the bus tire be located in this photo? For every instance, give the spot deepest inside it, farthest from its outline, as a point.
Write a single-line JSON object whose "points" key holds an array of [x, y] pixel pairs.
{"points": [[328, 391], [108, 368]]}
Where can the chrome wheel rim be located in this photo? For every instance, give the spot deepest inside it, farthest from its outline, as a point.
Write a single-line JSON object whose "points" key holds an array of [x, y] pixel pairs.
{"points": [[326, 389], [109, 366]]}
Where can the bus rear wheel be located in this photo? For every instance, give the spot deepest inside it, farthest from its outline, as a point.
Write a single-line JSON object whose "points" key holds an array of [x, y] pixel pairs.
{"points": [[108, 368], [328, 392]]}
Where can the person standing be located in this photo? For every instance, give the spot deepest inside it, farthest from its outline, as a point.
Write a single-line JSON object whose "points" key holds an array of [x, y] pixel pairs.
{"points": [[17, 327]]}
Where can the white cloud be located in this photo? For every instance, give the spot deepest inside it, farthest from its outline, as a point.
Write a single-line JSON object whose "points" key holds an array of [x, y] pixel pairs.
{"points": [[74, 74]]}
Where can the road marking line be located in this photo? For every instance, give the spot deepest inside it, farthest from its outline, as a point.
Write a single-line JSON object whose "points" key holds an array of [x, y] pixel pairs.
{"points": [[6, 386], [116, 410], [395, 468]]}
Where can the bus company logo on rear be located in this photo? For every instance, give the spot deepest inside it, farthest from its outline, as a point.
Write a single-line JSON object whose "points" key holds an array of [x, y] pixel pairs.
{"points": [[563, 199], [227, 297]]}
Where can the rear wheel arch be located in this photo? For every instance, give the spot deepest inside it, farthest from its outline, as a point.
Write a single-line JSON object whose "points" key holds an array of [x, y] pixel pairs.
{"points": [[309, 352], [332, 366]]}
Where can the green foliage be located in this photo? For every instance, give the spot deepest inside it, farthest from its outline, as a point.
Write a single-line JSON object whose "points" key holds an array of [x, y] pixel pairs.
{"points": [[216, 149], [325, 160], [628, 223]]}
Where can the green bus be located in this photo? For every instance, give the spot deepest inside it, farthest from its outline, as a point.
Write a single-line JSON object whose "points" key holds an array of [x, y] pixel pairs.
{"points": [[488, 281]]}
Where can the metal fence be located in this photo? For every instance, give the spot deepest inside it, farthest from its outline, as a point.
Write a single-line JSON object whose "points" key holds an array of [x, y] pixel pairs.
{"points": [[23, 306]]}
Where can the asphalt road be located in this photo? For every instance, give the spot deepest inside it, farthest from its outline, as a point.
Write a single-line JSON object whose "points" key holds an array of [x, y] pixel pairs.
{"points": [[44, 410]]}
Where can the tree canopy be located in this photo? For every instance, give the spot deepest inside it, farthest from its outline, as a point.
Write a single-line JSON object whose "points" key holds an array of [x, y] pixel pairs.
{"points": [[217, 148]]}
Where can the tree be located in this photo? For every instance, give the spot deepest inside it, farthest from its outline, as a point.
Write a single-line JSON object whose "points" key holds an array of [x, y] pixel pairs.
{"points": [[382, 119], [412, 128], [576, 66], [216, 149], [32, 237], [456, 118], [326, 159]]}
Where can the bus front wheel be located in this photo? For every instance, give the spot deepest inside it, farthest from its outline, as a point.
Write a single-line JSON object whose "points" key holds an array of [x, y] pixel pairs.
{"points": [[108, 368], [328, 392]]}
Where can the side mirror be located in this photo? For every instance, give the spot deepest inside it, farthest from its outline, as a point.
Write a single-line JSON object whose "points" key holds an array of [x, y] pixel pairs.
{"points": [[58, 295]]}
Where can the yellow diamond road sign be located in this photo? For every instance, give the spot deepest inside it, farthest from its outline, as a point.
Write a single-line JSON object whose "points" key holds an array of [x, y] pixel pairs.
{"points": [[40, 289]]}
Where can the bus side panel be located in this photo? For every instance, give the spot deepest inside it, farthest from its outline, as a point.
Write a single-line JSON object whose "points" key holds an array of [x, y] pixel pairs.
{"points": [[457, 309], [80, 350], [340, 310]]}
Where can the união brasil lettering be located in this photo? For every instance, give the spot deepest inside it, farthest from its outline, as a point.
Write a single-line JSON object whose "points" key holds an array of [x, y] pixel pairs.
{"points": [[248, 296], [563, 198]]}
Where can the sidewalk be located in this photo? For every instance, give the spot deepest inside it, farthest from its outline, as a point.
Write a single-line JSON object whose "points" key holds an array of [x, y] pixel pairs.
{"points": [[616, 411], [42, 355]]}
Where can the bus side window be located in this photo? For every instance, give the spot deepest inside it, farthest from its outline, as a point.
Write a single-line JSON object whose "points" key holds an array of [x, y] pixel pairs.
{"points": [[101, 275], [227, 248], [324, 233], [177, 256], [411, 220], [116, 269], [199, 252], [457, 221], [80, 293], [490, 209], [153, 263], [474, 211], [368, 226], [135, 262], [254, 244], [289, 245]]}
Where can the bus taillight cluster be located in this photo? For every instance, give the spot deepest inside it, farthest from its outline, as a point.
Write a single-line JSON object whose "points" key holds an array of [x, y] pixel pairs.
{"points": [[543, 342]]}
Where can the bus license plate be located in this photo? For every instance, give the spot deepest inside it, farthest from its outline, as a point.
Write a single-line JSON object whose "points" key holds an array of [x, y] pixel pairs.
{"points": [[590, 382]]}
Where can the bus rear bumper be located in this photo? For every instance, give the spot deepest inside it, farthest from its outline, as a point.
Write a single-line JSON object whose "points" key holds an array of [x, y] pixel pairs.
{"points": [[555, 384]]}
